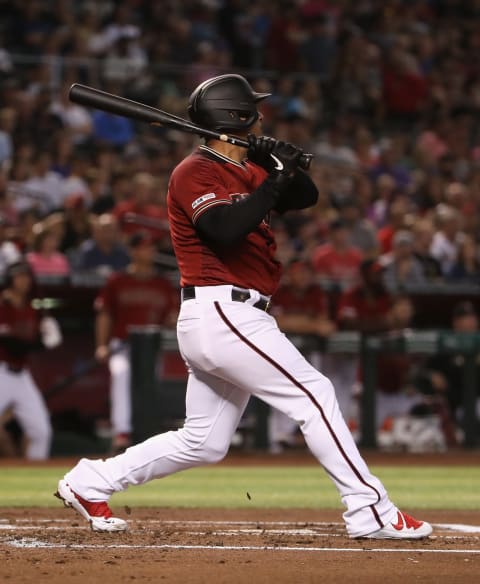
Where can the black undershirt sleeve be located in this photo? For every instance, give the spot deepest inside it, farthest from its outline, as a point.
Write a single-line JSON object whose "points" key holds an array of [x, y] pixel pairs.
{"points": [[300, 194], [226, 224]]}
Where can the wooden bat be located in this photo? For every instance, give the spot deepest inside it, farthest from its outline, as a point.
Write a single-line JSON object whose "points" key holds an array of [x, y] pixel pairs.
{"points": [[135, 110]]}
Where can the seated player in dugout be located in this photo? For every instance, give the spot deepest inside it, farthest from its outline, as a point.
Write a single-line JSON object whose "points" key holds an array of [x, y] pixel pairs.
{"points": [[220, 198], [137, 296]]}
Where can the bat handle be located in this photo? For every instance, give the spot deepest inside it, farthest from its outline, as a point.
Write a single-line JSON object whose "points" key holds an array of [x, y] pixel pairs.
{"points": [[304, 162]]}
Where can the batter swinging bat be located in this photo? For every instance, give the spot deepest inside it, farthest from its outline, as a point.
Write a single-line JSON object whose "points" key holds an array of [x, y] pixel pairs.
{"points": [[121, 106]]}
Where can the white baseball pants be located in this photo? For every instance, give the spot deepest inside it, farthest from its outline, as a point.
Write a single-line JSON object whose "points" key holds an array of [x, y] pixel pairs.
{"points": [[19, 392], [234, 350], [120, 396]]}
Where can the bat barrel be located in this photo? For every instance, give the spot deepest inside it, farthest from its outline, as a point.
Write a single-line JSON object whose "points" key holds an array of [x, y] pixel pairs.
{"points": [[114, 104]]}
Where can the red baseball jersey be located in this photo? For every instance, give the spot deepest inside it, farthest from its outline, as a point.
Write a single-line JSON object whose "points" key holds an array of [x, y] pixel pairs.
{"points": [[355, 304], [205, 179], [291, 300], [338, 267], [22, 323], [132, 301]]}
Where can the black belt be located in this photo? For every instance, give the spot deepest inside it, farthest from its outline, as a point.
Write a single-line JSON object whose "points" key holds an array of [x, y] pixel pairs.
{"points": [[188, 293]]}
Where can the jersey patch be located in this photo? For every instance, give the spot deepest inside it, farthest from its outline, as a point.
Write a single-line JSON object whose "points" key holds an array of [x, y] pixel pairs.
{"points": [[202, 199]]}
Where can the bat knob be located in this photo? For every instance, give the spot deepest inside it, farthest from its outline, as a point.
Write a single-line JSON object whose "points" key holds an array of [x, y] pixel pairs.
{"points": [[305, 161]]}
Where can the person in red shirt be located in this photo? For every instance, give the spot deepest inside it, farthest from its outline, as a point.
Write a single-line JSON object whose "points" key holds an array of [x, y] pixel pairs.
{"points": [[366, 306], [136, 297], [23, 330], [337, 261], [220, 198], [139, 212]]}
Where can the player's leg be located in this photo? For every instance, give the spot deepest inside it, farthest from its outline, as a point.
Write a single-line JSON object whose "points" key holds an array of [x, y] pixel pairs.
{"points": [[258, 357], [7, 393], [120, 398], [213, 411], [33, 417]]}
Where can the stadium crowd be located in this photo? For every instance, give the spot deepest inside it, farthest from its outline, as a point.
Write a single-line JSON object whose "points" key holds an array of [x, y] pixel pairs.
{"points": [[386, 94]]}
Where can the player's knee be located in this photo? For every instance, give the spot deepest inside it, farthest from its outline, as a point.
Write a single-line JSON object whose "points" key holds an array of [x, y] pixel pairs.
{"points": [[213, 453], [40, 432]]}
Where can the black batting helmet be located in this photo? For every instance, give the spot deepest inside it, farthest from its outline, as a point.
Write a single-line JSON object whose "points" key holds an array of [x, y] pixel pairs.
{"points": [[226, 102]]}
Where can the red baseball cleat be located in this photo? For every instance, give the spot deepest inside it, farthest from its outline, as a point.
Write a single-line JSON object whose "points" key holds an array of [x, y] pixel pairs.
{"points": [[99, 515], [406, 527]]}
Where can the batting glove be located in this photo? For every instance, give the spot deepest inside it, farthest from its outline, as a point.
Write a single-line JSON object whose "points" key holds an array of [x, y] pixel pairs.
{"points": [[260, 149], [286, 159]]}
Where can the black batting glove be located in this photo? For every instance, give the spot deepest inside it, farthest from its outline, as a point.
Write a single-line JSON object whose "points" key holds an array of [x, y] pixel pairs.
{"points": [[260, 149], [286, 158]]}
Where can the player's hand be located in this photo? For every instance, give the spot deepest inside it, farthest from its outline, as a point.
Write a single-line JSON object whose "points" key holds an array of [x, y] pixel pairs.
{"points": [[286, 157], [259, 150], [101, 353]]}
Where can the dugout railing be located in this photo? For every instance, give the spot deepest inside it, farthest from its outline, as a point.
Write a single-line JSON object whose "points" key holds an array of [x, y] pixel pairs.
{"points": [[156, 398]]}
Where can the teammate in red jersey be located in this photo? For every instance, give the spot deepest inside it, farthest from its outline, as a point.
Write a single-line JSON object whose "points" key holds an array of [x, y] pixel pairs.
{"points": [[22, 330], [137, 297], [219, 201]]}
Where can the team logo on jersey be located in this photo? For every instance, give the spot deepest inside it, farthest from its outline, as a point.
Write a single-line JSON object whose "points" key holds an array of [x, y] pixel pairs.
{"points": [[202, 199]]}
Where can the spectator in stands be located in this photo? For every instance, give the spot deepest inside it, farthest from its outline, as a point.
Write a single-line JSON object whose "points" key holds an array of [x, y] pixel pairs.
{"points": [[466, 269], [362, 233], [112, 130], [77, 227], [46, 258], [401, 267], [44, 184], [9, 252], [366, 306], [384, 194], [337, 261], [422, 240], [398, 219], [7, 125], [75, 118], [138, 211], [104, 252], [447, 239], [117, 191]]}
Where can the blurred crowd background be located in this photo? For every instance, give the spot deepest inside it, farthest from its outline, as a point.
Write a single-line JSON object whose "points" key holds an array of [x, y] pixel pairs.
{"points": [[386, 94]]}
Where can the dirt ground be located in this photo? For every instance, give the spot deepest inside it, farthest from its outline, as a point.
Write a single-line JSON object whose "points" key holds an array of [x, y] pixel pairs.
{"points": [[235, 546]]}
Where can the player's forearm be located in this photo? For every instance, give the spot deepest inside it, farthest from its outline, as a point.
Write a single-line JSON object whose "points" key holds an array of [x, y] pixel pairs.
{"points": [[227, 224], [300, 193], [302, 324], [103, 326]]}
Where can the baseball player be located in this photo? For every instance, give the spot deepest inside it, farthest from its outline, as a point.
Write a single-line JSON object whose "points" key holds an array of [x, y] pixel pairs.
{"points": [[23, 329], [137, 296], [219, 201]]}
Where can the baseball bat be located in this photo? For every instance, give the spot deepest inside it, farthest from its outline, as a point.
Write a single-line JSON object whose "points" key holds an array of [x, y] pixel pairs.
{"points": [[121, 106], [81, 371]]}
